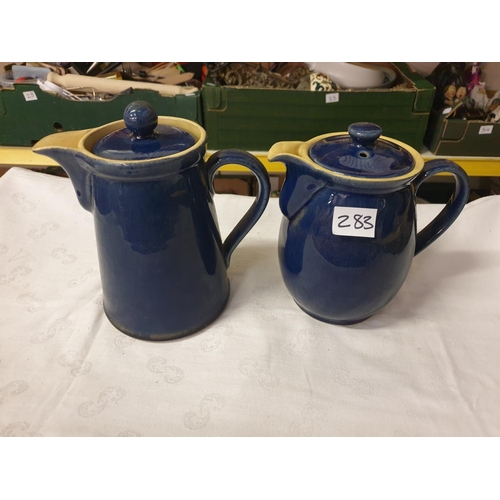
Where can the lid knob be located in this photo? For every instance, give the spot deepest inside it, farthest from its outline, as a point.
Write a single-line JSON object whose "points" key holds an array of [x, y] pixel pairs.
{"points": [[140, 118], [364, 133]]}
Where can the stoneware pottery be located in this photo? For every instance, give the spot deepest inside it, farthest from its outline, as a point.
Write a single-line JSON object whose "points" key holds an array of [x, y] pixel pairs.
{"points": [[162, 262], [348, 235]]}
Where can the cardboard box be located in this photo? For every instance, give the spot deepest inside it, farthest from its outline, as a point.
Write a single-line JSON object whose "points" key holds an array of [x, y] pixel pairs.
{"points": [[27, 114], [242, 185], [458, 137], [254, 119]]}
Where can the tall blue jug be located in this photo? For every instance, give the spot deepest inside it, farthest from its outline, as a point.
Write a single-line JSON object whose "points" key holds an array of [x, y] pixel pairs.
{"points": [[162, 262]]}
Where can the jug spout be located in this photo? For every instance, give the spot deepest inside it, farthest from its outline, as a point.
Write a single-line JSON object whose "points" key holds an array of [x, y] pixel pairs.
{"points": [[64, 149], [302, 180], [281, 151]]}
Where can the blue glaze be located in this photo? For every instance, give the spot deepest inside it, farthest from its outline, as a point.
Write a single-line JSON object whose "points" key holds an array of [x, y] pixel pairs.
{"points": [[140, 118], [360, 154], [162, 261], [122, 145], [143, 139], [346, 279]]}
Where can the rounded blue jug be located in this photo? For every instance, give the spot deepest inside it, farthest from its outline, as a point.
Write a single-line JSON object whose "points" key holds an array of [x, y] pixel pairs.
{"points": [[348, 233]]}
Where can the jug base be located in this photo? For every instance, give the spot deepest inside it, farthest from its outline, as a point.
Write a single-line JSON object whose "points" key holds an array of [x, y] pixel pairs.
{"points": [[158, 337], [332, 321]]}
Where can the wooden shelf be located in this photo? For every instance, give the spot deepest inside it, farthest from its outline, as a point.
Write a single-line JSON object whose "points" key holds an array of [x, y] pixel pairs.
{"points": [[475, 166]]}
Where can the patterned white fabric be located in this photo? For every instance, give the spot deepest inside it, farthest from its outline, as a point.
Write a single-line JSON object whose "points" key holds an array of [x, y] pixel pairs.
{"points": [[427, 365]]}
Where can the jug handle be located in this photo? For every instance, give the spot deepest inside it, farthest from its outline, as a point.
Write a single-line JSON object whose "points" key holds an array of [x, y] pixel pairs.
{"points": [[452, 209], [231, 157]]}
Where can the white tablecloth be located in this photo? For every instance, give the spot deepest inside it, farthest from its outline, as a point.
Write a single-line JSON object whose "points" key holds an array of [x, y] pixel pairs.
{"points": [[427, 365]]}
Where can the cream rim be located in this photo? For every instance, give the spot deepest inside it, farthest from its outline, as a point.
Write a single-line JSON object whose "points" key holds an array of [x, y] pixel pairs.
{"points": [[419, 161], [90, 139]]}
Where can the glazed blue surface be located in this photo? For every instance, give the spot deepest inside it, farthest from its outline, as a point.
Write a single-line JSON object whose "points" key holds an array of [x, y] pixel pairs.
{"points": [[162, 262], [140, 118], [162, 265], [346, 279], [143, 139], [122, 145], [361, 153]]}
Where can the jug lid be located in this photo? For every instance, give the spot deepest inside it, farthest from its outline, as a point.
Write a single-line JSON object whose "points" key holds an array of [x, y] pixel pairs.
{"points": [[143, 138], [362, 153]]}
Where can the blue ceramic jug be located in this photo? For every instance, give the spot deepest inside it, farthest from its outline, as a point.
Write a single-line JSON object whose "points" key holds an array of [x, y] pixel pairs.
{"points": [[163, 265], [348, 235]]}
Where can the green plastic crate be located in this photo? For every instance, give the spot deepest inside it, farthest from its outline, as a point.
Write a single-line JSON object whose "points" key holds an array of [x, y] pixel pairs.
{"points": [[457, 137], [254, 119], [25, 120]]}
